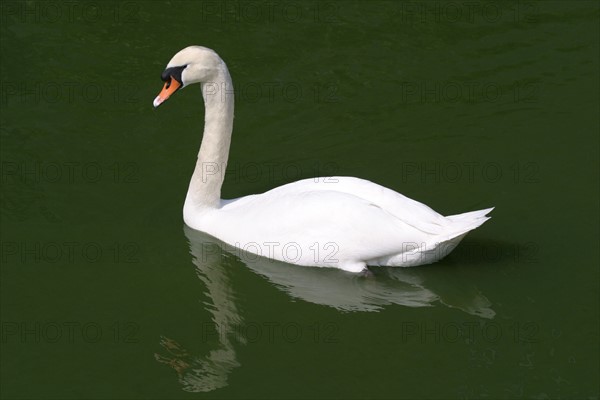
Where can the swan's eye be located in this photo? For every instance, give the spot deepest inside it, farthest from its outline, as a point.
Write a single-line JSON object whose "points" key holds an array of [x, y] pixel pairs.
{"points": [[172, 73]]}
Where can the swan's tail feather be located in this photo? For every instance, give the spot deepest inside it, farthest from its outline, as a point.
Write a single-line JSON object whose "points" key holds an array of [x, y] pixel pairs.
{"points": [[457, 228], [471, 216], [463, 223]]}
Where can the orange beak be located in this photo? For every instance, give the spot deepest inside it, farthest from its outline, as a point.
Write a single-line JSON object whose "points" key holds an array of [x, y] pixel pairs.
{"points": [[170, 87]]}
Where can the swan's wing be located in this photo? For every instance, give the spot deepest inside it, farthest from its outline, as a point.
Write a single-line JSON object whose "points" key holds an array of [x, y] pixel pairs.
{"points": [[411, 212], [364, 229]]}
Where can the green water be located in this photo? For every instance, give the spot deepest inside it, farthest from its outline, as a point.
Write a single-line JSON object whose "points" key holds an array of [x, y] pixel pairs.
{"points": [[460, 105]]}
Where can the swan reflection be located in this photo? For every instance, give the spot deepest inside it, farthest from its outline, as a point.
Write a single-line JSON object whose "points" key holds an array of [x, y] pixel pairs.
{"points": [[204, 374], [411, 287], [348, 292]]}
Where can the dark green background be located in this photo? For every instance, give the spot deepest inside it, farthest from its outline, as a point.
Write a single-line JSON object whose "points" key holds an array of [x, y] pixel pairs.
{"points": [[460, 105]]}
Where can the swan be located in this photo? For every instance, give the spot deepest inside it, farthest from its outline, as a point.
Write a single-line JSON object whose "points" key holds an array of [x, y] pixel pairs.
{"points": [[339, 222]]}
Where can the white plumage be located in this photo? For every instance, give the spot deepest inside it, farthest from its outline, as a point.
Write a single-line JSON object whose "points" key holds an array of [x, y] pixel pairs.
{"points": [[340, 222]]}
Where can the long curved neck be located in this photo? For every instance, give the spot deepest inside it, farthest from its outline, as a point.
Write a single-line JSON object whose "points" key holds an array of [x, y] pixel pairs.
{"points": [[205, 186]]}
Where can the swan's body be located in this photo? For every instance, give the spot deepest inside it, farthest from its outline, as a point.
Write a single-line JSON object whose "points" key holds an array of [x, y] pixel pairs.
{"points": [[341, 222]]}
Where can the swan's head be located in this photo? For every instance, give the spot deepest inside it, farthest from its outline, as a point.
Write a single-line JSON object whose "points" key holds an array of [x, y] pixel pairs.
{"points": [[191, 65]]}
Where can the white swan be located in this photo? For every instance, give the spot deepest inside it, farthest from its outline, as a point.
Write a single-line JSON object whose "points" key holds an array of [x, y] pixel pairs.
{"points": [[340, 222]]}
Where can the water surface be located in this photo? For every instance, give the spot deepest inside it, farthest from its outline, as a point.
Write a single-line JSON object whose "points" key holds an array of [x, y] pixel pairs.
{"points": [[462, 106]]}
